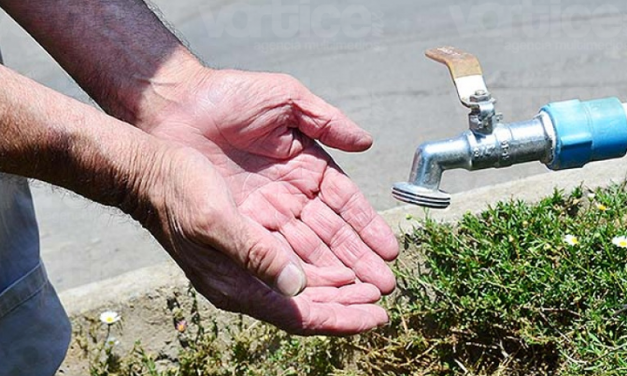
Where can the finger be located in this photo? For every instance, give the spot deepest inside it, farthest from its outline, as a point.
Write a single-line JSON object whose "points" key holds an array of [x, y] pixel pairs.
{"points": [[338, 319], [308, 244], [362, 293], [346, 244], [333, 276], [321, 121], [342, 195], [303, 316], [257, 250], [232, 288], [238, 292], [275, 208]]}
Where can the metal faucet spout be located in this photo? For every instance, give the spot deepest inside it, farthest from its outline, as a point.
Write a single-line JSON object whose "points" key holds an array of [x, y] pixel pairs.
{"points": [[433, 158], [508, 144]]}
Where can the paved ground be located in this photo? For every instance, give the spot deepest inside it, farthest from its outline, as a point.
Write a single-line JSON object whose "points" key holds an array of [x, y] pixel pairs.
{"points": [[366, 58]]}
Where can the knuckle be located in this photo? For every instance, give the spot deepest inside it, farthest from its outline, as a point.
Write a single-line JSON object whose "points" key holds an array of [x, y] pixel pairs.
{"points": [[255, 259], [324, 129], [292, 87]]}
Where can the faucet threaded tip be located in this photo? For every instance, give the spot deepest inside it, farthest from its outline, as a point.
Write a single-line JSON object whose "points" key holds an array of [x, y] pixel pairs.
{"points": [[415, 195]]}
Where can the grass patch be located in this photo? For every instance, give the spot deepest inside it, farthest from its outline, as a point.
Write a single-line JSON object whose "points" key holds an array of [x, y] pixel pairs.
{"points": [[503, 292]]}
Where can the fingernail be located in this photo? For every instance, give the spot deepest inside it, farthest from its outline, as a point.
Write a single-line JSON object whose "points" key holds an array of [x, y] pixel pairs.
{"points": [[291, 281]]}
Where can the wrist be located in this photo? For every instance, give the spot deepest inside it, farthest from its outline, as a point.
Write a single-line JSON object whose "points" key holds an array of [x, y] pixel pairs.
{"points": [[138, 178], [109, 162], [166, 88]]}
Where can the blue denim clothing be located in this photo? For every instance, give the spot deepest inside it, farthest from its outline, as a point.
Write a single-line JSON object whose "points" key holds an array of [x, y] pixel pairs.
{"points": [[34, 329]]}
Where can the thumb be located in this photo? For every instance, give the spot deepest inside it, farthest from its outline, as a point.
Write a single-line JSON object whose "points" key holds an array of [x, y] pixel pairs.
{"points": [[321, 121], [255, 249]]}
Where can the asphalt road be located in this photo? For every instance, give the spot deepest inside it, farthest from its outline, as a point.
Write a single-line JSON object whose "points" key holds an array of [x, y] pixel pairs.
{"points": [[365, 57]]}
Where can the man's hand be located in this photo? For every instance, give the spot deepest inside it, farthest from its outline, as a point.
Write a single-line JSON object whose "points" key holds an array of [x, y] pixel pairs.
{"points": [[258, 130], [193, 215]]}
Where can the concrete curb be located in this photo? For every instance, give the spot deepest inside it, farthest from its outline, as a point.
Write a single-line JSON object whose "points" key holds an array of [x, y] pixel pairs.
{"points": [[143, 281], [110, 292]]}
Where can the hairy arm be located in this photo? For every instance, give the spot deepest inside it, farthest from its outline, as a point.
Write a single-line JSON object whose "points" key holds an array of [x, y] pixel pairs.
{"points": [[50, 137], [118, 51]]}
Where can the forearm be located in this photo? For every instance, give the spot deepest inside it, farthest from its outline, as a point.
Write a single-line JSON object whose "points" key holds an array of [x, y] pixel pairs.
{"points": [[50, 137], [117, 50]]}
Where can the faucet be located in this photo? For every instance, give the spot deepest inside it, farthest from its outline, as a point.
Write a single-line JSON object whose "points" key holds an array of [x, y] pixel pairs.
{"points": [[562, 135]]}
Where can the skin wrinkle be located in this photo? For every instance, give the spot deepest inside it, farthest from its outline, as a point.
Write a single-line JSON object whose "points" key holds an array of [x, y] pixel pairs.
{"points": [[329, 321], [325, 128], [317, 276], [337, 236], [290, 209], [347, 294], [321, 252], [273, 204], [255, 257], [351, 251], [334, 276], [363, 265], [342, 238], [360, 226], [320, 255], [309, 192], [270, 115], [364, 218], [310, 117], [338, 269], [281, 177], [278, 216], [331, 194], [245, 187]]}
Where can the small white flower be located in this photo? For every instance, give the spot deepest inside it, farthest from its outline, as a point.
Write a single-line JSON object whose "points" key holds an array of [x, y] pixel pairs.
{"points": [[571, 240], [112, 341], [591, 196], [620, 241], [109, 317]]}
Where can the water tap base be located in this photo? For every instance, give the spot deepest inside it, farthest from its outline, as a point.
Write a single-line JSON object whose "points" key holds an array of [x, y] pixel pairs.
{"points": [[415, 195]]}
